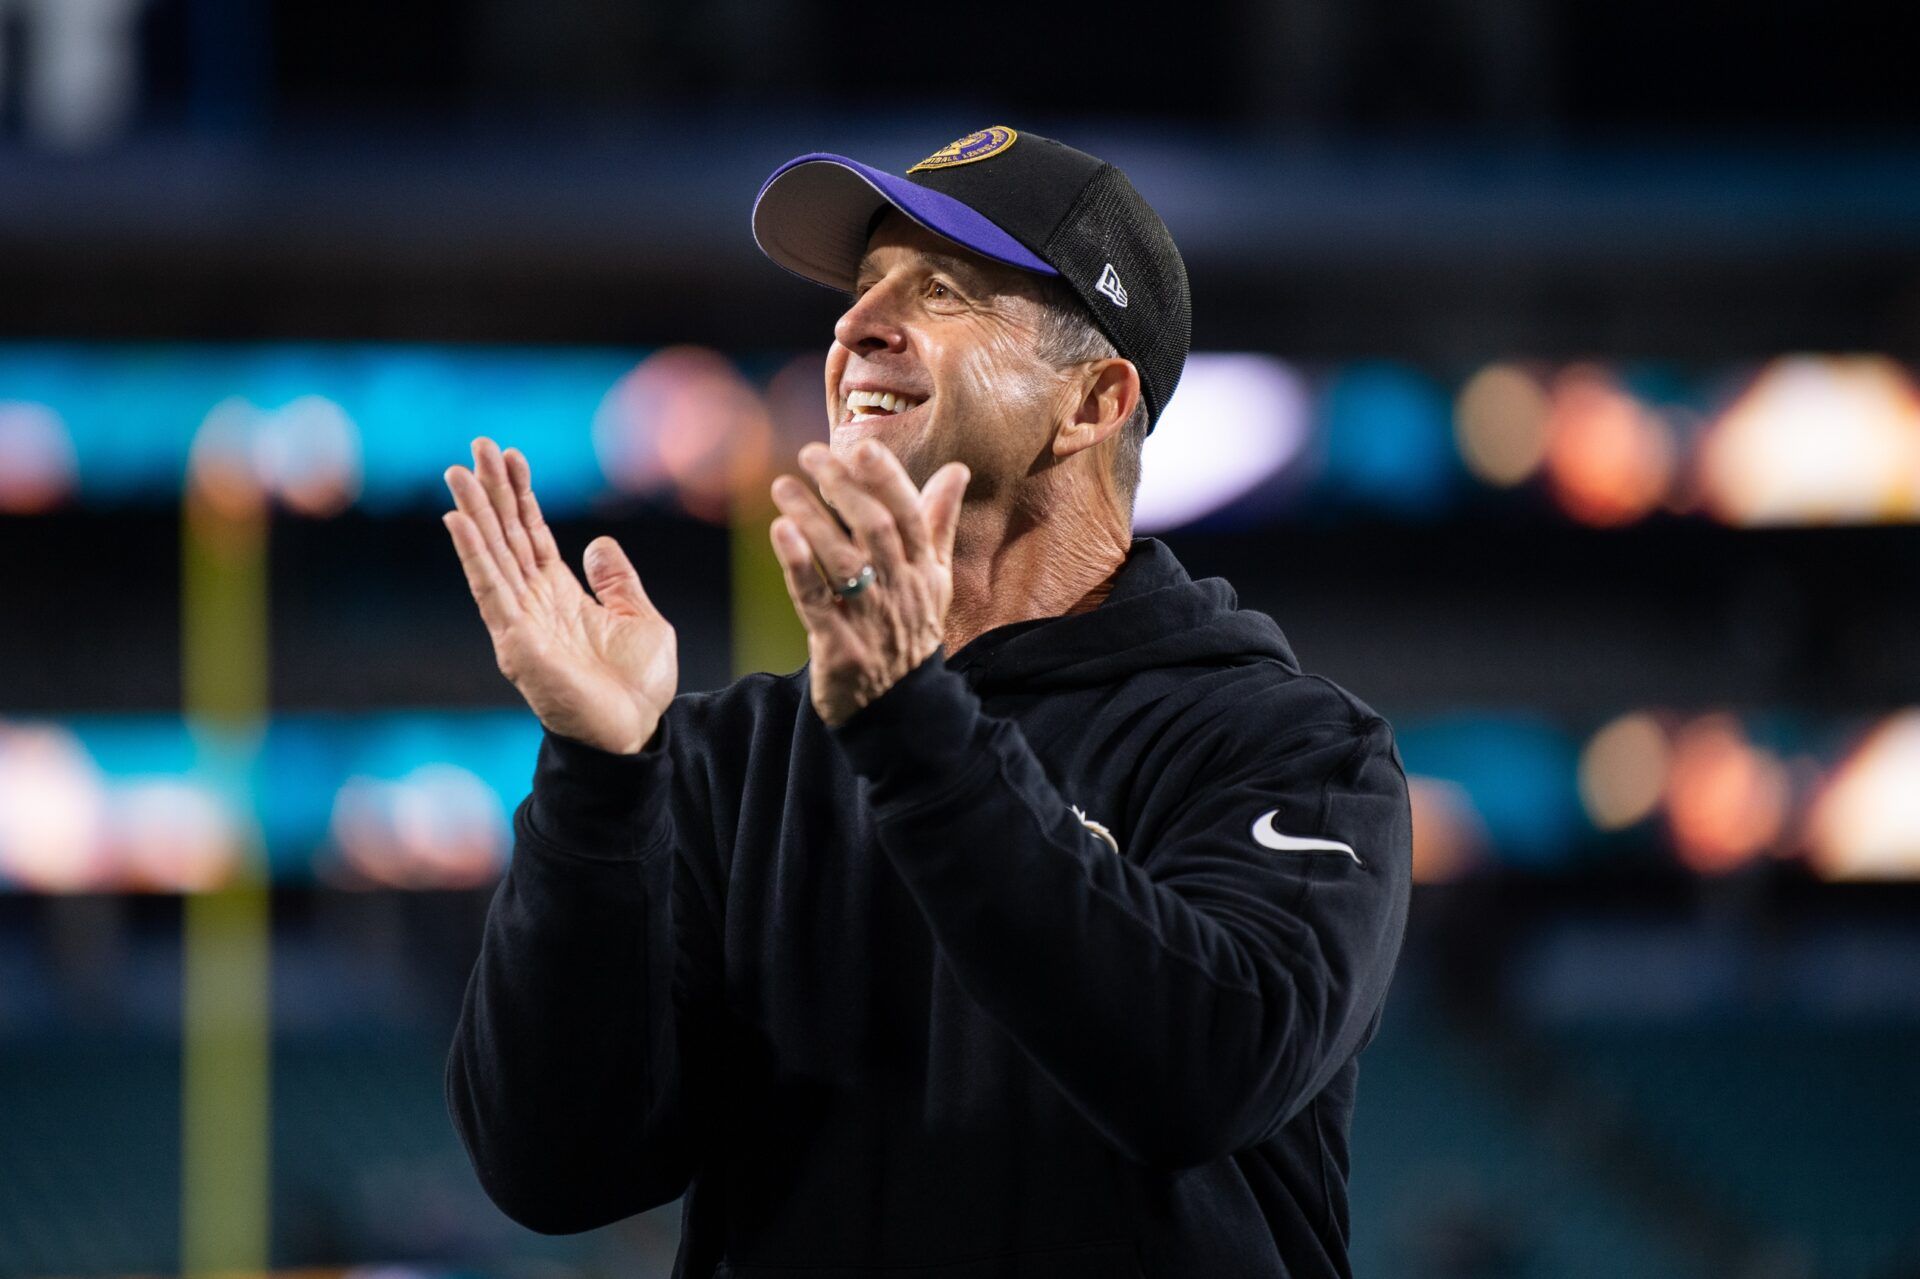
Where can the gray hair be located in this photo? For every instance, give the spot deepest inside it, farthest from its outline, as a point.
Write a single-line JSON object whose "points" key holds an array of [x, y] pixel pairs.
{"points": [[1069, 336]]}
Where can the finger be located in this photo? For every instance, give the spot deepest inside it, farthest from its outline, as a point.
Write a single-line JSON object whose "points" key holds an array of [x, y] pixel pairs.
{"points": [[491, 468], [812, 598], [498, 608], [546, 552], [942, 499], [472, 500], [872, 524], [613, 579], [876, 467], [839, 557]]}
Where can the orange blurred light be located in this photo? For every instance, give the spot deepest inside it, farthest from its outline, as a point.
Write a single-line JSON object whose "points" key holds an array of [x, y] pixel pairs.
{"points": [[1500, 424], [1610, 459], [221, 473], [1726, 798], [685, 417], [1817, 440], [38, 467], [308, 453], [1623, 771], [1865, 823], [1448, 833], [797, 400]]}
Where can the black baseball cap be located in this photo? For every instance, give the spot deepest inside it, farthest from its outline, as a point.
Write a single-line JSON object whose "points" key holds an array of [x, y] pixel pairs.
{"points": [[1016, 198]]}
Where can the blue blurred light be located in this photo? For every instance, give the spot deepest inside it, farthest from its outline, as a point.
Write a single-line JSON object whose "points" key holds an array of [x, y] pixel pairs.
{"points": [[1388, 439], [1520, 771], [305, 759], [133, 410]]}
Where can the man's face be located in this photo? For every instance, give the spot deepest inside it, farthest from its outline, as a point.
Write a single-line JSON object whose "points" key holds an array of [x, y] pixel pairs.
{"points": [[952, 338]]}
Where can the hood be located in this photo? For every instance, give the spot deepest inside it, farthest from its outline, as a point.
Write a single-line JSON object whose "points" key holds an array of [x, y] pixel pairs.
{"points": [[1155, 616]]}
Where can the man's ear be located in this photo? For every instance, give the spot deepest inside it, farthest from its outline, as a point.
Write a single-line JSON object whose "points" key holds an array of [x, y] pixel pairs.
{"points": [[1109, 392]]}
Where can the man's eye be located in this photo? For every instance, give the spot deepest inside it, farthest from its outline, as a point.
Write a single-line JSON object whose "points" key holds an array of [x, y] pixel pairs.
{"points": [[937, 289]]}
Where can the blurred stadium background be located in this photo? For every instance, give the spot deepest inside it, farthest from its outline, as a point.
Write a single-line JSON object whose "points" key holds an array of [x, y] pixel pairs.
{"points": [[1554, 389]]}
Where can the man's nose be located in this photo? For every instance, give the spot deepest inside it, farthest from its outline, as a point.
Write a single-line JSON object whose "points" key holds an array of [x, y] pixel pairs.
{"points": [[871, 324]]}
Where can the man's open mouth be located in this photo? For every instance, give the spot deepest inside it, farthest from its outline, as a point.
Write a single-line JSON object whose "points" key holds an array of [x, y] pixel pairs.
{"points": [[863, 406]]}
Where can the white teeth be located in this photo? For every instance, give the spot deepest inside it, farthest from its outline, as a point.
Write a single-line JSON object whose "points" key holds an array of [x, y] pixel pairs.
{"points": [[884, 401]]}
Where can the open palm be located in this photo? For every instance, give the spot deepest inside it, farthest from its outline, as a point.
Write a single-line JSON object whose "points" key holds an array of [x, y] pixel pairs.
{"points": [[600, 668]]}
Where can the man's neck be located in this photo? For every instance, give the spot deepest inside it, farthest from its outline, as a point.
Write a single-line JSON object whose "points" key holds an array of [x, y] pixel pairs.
{"points": [[1011, 569]]}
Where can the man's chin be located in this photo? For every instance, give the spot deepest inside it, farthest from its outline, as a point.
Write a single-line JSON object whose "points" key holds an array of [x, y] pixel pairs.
{"points": [[903, 439]]}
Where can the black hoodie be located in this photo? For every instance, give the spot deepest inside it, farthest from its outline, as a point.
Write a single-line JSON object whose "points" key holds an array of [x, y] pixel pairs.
{"points": [[1054, 960]]}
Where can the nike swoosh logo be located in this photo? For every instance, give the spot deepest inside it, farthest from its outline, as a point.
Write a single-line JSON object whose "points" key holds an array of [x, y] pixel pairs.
{"points": [[1267, 837]]}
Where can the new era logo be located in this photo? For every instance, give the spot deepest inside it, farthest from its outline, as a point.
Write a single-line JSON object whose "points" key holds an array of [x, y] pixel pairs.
{"points": [[1110, 285]]}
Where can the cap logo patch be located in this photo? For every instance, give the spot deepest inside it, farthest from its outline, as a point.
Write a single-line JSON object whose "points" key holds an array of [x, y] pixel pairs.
{"points": [[1109, 284], [989, 141]]}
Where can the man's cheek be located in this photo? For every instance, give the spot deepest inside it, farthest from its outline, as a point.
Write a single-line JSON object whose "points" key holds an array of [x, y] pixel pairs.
{"points": [[836, 367]]}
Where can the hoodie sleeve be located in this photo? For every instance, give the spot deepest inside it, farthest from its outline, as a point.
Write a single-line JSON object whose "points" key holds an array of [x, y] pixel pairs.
{"points": [[1191, 997], [564, 1076]]}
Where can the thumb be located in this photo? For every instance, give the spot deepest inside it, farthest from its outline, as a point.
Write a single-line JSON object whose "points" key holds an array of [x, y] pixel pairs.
{"points": [[615, 584], [941, 498]]}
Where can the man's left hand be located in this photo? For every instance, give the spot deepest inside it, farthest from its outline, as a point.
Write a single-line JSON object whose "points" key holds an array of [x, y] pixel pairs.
{"points": [[862, 643]]}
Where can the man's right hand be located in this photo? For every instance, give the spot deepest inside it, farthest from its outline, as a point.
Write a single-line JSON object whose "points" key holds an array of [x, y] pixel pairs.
{"points": [[599, 671]]}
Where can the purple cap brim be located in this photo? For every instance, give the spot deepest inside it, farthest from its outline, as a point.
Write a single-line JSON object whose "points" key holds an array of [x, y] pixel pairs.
{"points": [[813, 214]]}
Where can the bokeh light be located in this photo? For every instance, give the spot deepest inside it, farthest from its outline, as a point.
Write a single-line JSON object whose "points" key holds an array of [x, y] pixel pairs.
{"points": [[52, 811], [308, 453], [1500, 424], [1516, 772], [1388, 443], [797, 405], [1726, 798], [1817, 440], [169, 834], [1449, 835], [685, 417], [38, 466], [1865, 823], [1623, 771], [1610, 459], [1235, 422], [221, 467], [439, 826]]}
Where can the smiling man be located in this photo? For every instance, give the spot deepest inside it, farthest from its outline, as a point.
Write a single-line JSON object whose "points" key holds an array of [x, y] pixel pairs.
{"points": [[1035, 926]]}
